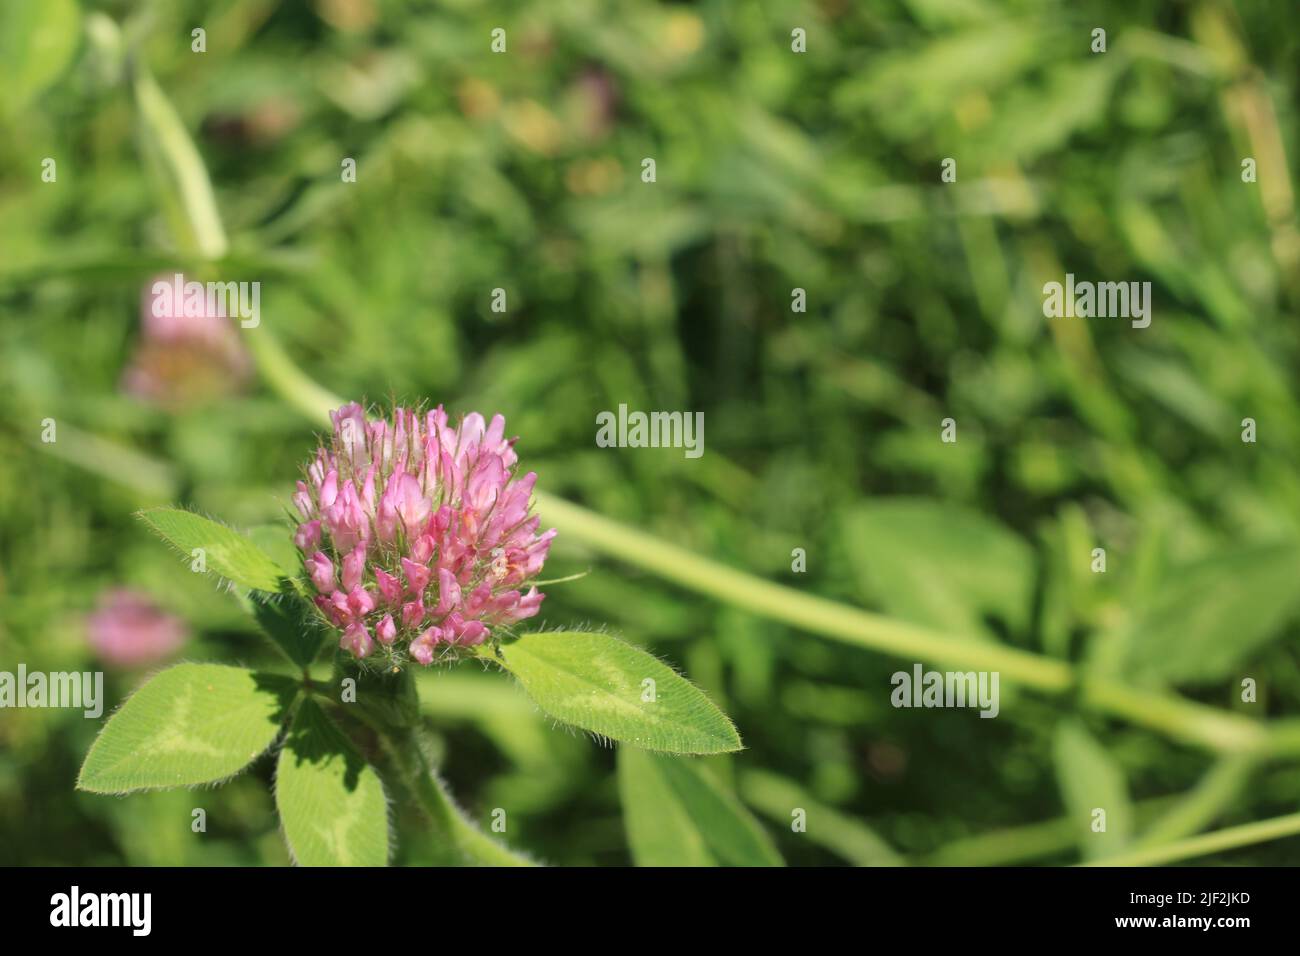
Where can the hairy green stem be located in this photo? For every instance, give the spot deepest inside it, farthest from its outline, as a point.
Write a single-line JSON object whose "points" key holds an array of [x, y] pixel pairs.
{"points": [[448, 821], [390, 709]]}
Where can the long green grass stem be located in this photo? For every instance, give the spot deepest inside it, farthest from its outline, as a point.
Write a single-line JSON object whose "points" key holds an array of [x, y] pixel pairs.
{"points": [[1199, 807], [183, 185], [1171, 715], [1029, 841], [1207, 843], [804, 611], [288, 381]]}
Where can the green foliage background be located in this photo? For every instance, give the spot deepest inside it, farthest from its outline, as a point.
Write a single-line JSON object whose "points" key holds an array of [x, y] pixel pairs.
{"points": [[774, 171]]}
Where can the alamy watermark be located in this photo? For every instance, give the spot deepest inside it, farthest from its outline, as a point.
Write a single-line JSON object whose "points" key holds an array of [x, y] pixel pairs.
{"points": [[651, 430], [81, 689], [213, 300], [1102, 300], [74, 908], [922, 688]]}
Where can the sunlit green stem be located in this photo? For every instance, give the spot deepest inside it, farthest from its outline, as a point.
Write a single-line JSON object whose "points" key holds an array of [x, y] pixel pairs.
{"points": [[1178, 718], [805, 611], [1207, 843], [288, 380], [1027, 842], [1283, 738], [183, 184], [1220, 786]]}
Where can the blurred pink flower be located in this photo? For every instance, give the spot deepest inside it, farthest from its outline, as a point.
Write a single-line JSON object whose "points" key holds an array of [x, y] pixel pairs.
{"points": [[127, 629], [416, 536], [595, 96], [183, 359]]}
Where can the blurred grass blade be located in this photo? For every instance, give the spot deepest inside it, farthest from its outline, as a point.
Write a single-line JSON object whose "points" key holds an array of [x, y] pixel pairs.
{"points": [[676, 815], [847, 838], [119, 463], [1208, 843], [37, 41], [1222, 784], [178, 170], [1092, 783], [1180, 632], [940, 564]]}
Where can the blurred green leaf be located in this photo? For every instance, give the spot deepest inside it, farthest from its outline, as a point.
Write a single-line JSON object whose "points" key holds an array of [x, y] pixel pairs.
{"points": [[985, 57], [676, 815], [331, 802], [1036, 119], [940, 564], [192, 724], [1091, 780], [849, 839], [600, 684], [37, 40], [1207, 617]]}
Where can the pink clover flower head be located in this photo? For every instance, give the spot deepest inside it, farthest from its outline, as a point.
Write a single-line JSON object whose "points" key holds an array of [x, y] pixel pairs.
{"points": [[417, 537]]}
